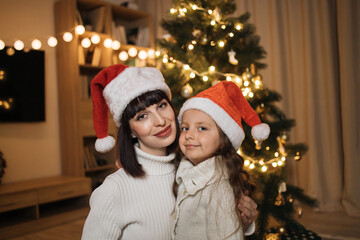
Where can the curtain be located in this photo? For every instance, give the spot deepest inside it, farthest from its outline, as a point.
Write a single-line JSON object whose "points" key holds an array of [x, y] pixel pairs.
{"points": [[312, 56]]}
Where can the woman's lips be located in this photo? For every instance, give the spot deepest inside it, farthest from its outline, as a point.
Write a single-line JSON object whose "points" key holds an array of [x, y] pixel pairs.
{"points": [[165, 132]]}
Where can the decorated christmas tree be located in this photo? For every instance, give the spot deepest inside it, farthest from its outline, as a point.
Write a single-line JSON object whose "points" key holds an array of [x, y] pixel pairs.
{"points": [[205, 45]]}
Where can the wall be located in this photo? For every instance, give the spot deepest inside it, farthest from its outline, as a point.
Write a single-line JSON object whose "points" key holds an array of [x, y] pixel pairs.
{"points": [[32, 150]]}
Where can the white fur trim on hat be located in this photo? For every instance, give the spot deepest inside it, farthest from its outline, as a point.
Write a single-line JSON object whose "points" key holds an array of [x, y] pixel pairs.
{"points": [[131, 83], [104, 144], [227, 124], [260, 132]]}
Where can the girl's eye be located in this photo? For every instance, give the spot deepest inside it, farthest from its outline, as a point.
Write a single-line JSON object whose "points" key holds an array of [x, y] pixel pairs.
{"points": [[163, 104], [202, 128], [184, 129]]}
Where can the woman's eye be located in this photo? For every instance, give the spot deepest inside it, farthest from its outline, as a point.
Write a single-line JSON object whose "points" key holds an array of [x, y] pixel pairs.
{"points": [[141, 116], [184, 129]]}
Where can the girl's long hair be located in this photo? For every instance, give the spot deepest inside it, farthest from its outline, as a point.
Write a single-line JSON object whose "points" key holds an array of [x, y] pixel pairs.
{"points": [[125, 143]]}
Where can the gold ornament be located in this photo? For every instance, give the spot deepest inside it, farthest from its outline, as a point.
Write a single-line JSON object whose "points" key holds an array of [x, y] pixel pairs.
{"points": [[186, 91], [297, 156], [258, 144], [217, 14], [252, 69], [272, 236], [232, 58], [299, 211], [281, 146], [279, 201], [196, 33]]}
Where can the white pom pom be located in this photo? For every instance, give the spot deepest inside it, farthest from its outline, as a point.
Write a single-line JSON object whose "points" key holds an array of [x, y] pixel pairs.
{"points": [[260, 132], [105, 144]]}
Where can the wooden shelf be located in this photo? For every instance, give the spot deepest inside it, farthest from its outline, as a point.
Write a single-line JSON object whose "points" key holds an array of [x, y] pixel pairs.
{"points": [[32, 205]]}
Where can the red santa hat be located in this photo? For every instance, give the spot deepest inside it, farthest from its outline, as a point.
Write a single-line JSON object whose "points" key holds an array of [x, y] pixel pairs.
{"points": [[114, 88], [226, 105]]}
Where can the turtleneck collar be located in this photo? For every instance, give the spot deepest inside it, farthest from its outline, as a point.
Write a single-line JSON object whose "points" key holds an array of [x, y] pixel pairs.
{"points": [[155, 165]]}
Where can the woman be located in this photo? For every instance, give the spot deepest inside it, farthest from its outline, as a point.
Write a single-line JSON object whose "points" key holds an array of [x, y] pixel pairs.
{"points": [[136, 201]]}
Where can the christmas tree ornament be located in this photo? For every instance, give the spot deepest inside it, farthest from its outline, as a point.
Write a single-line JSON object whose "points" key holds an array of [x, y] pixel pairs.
{"points": [[280, 200], [247, 75], [196, 33], [217, 14], [299, 211], [284, 136], [186, 91], [297, 157], [258, 144], [290, 198], [281, 146], [272, 236], [232, 58]]}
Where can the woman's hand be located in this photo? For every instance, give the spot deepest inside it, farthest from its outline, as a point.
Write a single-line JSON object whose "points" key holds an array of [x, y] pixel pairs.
{"points": [[247, 209]]}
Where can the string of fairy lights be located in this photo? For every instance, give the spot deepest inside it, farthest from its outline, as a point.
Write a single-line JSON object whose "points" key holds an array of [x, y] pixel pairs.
{"points": [[88, 39], [249, 81]]}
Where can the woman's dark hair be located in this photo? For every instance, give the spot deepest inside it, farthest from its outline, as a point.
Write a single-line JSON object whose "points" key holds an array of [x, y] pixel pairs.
{"points": [[125, 143]]}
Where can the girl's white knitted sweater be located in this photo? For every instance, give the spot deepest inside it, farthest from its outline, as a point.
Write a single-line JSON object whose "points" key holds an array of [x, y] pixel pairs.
{"points": [[124, 207]]}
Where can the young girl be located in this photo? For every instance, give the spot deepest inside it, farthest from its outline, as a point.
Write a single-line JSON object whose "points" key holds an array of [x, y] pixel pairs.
{"points": [[211, 174], [136, 201]]}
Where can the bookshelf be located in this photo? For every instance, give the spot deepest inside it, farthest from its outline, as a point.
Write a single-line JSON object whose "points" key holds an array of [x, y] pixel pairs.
{"points": [[77, 66]]}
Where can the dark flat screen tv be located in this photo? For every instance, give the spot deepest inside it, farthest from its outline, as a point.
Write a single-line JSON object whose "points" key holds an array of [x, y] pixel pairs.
{"points": [[22, 85]]}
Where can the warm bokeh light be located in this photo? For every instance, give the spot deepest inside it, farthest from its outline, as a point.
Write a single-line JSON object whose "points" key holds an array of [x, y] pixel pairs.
{"points": [[86, 43], [80, 29], [132, 52], [108, 43], [123, 56], [67, 36], [142, 55], [19, 45], [52, 41], [36, 44], [115, 45], [2, 44], [95, 39]]}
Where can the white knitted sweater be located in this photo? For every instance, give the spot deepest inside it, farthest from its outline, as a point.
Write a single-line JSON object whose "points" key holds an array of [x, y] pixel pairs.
{"points": [[124, 207]]}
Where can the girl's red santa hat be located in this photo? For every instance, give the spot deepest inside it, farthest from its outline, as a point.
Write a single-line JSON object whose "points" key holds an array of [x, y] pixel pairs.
{"points": [[114, 88], [227, 106]]}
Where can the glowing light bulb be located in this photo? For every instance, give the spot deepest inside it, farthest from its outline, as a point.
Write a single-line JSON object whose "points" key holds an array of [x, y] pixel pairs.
{"points": [[191, 47], [2, 44], [267, 148], [251, 94], [186, 67], [52, 41], [223, 26], [261, 162], [192, 75], [108, 43], [257, 82], [283, 159], [246, 83], [205, 78], [115, 45], [221, 44], [67, 36], [165, 60], [79, 29], [86, 43], [239, 26], [212, 22], [95, 39], [237, 80], [194, 7], [19, 45], [142, 54], [252, 166], [157, 53], [210, 11], [264, 168], [123, 56], [211, 68], [151, 53], [228, 78], [274, 164], [246, 162], [231, 34], [172, 10], [132, 52], [36, 44], [276, 154], [280, 163]]}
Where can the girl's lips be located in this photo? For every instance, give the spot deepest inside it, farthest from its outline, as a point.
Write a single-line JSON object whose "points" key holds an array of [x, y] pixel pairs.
{"points": [[190, 146], [165, 132]]}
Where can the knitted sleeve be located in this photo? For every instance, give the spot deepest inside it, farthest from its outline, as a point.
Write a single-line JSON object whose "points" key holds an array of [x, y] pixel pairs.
{"points": [[222, 220], [101, 222]]}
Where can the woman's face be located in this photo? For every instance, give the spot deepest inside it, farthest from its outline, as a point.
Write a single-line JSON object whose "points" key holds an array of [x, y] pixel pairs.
{"points": [[154, 128]]}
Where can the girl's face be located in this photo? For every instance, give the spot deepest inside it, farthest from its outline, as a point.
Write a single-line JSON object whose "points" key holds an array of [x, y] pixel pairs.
{"points": [[154, 128], [199, 137]]}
